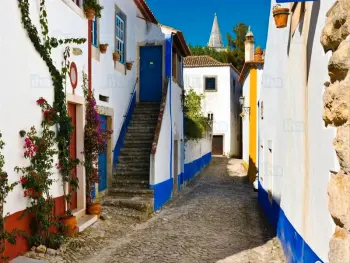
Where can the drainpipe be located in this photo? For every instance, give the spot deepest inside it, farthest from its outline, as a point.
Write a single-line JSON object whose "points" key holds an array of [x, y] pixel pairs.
{"points": [[89, 56]]}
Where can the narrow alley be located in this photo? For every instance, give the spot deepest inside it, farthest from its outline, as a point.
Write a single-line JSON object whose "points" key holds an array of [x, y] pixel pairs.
{"points": [[215, 219]]}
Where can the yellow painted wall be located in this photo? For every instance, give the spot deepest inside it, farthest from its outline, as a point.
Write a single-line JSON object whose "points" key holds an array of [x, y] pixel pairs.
{"points": [[253, 100]]}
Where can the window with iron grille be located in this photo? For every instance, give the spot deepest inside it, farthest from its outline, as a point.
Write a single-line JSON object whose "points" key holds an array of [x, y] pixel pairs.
{"points": [[120, 36], [210, 83]]}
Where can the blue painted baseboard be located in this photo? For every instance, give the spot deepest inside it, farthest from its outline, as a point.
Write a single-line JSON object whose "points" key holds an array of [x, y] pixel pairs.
{"points": [[120, 141], [162, 193], [193, 168], [164, 190], [295, 248]]}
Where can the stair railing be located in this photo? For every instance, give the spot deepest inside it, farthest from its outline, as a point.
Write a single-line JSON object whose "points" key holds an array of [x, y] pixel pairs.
{"points": [[124, 126]]}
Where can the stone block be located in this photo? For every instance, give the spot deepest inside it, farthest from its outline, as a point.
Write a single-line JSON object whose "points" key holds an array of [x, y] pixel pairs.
{"points": [[339, 247], [339, 64], [342, 147], [337, 103], [337, 26], [339, 199]]}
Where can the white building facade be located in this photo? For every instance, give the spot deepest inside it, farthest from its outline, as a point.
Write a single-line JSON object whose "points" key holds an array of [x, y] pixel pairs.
{"points": [[129, 28], [219, 84], [297, 149]]}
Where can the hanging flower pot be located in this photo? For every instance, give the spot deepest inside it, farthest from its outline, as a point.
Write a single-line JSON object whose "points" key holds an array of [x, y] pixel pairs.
{"points": [[70, 224], [103, 48], [90, 13], [129, 65], [94, 209], [280, 15], [116, 56]]}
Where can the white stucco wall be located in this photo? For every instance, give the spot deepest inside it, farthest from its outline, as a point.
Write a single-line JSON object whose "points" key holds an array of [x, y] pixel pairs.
{"points": [[25, 78], [245, 120], [302, 150], [218, 102], [195, 149], [107, 80]]}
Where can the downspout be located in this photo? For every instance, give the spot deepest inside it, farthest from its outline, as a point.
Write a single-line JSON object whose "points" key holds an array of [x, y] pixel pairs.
{"points": [[89, 57]]}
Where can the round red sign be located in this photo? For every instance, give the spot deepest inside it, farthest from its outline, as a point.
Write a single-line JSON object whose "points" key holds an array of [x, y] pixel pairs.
{"points": [[73, 75]]}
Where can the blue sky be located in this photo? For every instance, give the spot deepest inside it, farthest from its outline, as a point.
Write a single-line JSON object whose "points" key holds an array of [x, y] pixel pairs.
{"points": [[195, 17]]}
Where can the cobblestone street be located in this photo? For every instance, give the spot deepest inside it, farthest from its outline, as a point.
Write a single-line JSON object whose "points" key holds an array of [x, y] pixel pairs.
{"points": [[215, 219]]}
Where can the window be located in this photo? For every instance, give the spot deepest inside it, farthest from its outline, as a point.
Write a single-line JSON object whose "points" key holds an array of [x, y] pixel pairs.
{"points": [[211, 116], [120, 36], [234, 86], [94, 33], [210, 83], [177, 67]]}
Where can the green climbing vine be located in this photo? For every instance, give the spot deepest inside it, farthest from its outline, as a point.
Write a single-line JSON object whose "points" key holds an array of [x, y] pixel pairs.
{"points": [[44, 47]]}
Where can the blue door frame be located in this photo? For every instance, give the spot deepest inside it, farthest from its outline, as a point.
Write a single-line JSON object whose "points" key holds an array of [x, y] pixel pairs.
{"points": [[151, 72], [102, 160]]}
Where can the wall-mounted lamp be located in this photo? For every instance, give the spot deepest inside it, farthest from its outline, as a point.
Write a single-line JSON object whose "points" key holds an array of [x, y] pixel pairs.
{"points": [[241, 100], [245, 110]]}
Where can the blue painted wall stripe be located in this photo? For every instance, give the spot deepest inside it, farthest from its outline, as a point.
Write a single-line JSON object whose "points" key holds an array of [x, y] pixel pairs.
{"points": [[120, 141], [164, 190], [294, 246]]}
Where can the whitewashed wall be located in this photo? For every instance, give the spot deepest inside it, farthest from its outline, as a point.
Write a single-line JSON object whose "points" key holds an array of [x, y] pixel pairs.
{"points": [[302, 150], [218, 103], [25, 78], [195, 149], [107, 80], [245, 120]]}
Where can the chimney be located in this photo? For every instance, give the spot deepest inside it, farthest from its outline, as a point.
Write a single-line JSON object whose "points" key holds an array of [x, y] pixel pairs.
{"points": [[249, 46], [258, 55]]}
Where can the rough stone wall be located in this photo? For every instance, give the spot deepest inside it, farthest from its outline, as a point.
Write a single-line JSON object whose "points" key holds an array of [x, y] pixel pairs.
{"points": [[336, 38]]}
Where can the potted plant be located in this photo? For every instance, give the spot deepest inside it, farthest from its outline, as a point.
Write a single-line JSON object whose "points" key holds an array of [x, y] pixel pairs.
{"points": [[280, 15], [129, 65], [95, 142], [103, 48], [92, 8], [116, 56]]}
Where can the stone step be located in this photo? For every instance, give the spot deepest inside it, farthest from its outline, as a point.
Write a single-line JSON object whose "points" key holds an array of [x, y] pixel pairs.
{"points": [[139, 136], [126, 169], [140, 114], [142, 128], [144, 174], [127, 151], [131, 159], [131, 181], [131, 192], [144, 122], [147, 109], [131, 144], [131, 213], [143, 204]]}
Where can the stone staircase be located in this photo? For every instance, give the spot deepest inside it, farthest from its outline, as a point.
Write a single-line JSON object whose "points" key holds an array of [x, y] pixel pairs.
{"points": [[130, 196]]}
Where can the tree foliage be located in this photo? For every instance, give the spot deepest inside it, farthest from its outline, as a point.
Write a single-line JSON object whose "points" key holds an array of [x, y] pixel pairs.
{"points": [[195, 123], [234, 53]]}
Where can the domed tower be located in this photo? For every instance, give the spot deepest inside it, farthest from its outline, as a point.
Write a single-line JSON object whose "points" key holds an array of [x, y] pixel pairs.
{"points": [[249, 46]]}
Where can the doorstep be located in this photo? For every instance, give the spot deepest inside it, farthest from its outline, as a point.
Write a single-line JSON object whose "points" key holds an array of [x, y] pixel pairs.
{"points": [[22, 259], [85, 221]]}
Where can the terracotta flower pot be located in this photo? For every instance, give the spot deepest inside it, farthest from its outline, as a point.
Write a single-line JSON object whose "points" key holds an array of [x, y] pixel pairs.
{"points": [[128, 65], [90, 13], [94, 209], [281, 16], [103, 48], [71, 225], [116, 56]]}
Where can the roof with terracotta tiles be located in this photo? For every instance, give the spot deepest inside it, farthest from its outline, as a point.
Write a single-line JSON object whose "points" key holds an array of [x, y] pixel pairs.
{"points": [[146, 11], [205, 62]]}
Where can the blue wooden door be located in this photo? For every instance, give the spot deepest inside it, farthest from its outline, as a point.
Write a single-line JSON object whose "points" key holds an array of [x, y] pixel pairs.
{"points": [[151, 67], [102, 160]]}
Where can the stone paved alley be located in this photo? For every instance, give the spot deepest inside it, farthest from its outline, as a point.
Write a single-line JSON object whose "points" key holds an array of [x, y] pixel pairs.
{"points": [[215, 219]]}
